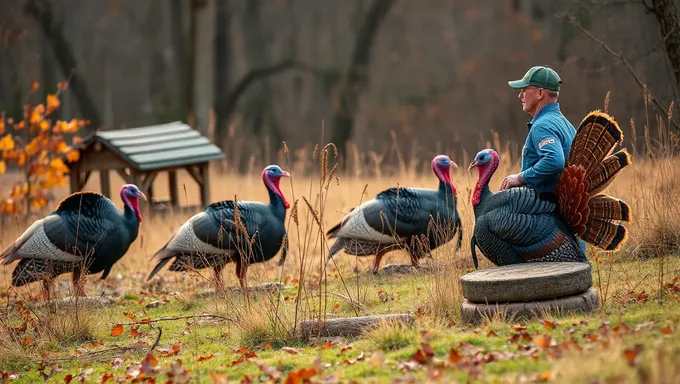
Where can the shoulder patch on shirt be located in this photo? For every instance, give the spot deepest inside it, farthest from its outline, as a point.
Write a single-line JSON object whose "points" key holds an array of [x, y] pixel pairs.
{"points": [[547, 141]]}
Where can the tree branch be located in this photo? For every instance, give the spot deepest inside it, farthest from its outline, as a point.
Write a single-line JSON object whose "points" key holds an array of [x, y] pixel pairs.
{"points": [[655, 102], [229, 103]]}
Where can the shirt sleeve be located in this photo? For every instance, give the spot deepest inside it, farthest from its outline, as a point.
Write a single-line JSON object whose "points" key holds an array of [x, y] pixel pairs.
{"points": [[549, 149]]}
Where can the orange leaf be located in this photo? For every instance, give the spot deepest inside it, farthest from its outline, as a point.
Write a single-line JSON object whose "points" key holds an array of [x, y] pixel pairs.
{"points": [[73, 155], [34, 86], [549, 324], [19, 126], [2, 126], [53, 103], [44, 125], [62, 85], [21, 159], [3, 167], [58, 165], [6, 143], [117, 330], [204, 358], [666, 330], [631, 354]]}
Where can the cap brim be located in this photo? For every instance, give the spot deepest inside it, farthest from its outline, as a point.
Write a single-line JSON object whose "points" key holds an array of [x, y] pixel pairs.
{"points": [[518, 84]]}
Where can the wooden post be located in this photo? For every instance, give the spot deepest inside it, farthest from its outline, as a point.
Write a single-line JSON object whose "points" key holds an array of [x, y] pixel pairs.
{"points": [[204, 169], [105, 182], [74, 178], [172, 187]]}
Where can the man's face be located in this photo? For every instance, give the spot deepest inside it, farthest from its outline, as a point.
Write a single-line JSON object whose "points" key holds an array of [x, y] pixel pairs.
{"points": [[530, 97]]}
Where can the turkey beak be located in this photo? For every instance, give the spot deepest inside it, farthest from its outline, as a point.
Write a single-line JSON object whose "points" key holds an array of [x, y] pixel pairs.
{"points": [[284, 174], [142, 195], [472, 165]]}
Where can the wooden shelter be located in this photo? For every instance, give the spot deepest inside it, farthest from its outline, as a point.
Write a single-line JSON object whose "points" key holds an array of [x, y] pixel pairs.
{"points": [[138, 155]]}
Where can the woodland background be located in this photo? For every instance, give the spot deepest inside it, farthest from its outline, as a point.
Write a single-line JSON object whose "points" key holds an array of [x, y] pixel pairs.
{"points": [[389, 78]]}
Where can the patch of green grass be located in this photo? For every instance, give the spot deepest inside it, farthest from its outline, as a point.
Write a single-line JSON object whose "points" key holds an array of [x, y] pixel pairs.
{"points": [[261, 328]]}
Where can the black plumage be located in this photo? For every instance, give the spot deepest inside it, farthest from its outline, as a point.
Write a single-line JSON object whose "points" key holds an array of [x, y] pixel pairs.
{"points": [[86, 234], [243, 232], [416, 219]]}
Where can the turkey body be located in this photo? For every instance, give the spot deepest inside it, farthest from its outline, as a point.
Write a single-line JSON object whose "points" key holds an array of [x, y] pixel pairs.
{"points": [[211, 239], [418, 219], [86, 232], [518, 226]]}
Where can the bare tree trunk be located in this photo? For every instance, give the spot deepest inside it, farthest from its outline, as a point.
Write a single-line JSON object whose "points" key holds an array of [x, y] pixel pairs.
{"points": [[221, 79], [179, 43], [41, 11], [356, 79], [667, 16], [202, 89]]}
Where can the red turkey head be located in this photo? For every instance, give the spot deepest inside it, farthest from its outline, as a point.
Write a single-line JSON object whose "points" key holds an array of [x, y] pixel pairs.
{"points": [[486, 161], [130, 195], [271, 176], [441, 166]]}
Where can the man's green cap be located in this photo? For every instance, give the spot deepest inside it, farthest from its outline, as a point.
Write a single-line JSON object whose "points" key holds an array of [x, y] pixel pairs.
{"points": [[539, 76]]}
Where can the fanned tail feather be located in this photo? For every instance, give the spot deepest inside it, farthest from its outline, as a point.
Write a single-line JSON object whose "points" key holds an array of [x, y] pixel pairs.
{"points": [[605, 234], [591, 168], [573, 198]]}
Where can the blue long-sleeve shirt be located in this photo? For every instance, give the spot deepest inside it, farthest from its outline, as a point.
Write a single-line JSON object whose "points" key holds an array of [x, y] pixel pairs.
{"points": [[546, 148]]}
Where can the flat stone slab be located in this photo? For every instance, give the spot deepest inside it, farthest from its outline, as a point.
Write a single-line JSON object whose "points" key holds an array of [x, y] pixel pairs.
{"points": [[78, 302], [265, 287], [349, 326], [523, 282], [391, 269], [585, 302]]}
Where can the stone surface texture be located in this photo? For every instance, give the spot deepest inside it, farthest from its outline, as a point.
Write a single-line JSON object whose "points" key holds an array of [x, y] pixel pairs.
{"points": [[349, 326], [526, 282], [585, 302]]}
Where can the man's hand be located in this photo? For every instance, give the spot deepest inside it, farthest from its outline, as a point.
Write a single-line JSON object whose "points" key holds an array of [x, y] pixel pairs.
{"points": [[512, 181]]}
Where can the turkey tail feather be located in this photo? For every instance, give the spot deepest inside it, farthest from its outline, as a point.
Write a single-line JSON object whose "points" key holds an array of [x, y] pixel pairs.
{"points": [[595, 139], [164, 257], [605, 234], [604, 173], [591, 168], [573, 198]]}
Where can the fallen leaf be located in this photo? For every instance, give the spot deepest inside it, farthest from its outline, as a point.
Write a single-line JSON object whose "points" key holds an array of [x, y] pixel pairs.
{"points": [[667, 330], [631, 354], [549, 324], [377, 358], [290, 350], [117, 330], [204, 358]]}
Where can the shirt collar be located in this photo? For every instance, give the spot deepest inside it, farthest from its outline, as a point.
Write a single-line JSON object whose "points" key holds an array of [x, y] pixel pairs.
{"points": [[552, 107]]}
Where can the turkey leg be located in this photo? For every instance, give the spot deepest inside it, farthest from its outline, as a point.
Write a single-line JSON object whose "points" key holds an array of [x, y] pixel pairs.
{"points": [[46, 291], [79, 282], [376, 263], [241, 269], [219, 283]]}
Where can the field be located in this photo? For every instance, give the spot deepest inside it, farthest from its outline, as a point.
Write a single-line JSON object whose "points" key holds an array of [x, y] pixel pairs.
{"points": [[158, 331]]}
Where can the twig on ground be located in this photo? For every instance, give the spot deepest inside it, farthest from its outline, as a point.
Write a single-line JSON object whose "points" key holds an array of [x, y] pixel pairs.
{"points": [[220, 317]]}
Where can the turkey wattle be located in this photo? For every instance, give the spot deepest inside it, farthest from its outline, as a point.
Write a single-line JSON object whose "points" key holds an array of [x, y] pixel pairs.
{"points": [[86, 234], [416, 219], [517, 225], [210, 239]]}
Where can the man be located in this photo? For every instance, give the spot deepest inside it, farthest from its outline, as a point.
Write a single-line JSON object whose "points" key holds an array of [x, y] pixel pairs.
{"points": [[550, 133]]}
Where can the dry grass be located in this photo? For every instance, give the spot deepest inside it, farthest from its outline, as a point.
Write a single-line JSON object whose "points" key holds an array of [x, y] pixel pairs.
{"points": [[650, 186]]}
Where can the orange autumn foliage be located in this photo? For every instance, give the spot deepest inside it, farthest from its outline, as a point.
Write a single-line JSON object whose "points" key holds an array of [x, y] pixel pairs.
{"points": [[36, 145]]}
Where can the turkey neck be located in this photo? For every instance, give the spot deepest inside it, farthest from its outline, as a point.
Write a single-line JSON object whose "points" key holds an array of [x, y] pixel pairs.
{"points": [[446, 190], [276, 203], [482, 190], [130, 218]]}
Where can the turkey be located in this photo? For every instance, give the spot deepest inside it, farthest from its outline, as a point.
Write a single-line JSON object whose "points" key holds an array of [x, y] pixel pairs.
{"points": [[518, 225], [212, 238], [401, 218], [86, 234]]}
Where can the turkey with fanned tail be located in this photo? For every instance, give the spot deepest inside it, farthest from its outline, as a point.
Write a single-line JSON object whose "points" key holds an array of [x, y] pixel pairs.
{"points": [[416, 219], [518, 225], [243, 232], [86, 234]]}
